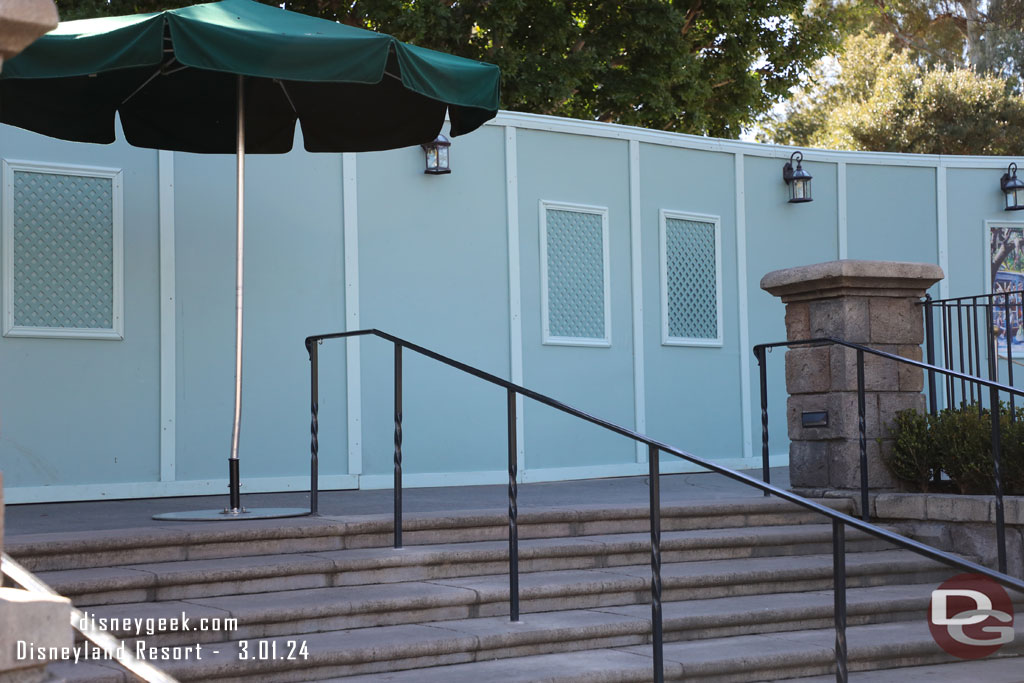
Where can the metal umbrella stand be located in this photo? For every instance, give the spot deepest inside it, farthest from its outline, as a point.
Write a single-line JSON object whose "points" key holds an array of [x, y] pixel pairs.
{"points": [[182, 79], [234, 510]]}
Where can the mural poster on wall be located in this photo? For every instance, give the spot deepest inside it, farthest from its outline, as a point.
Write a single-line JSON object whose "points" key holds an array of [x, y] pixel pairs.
{"points": [[1007, 250]]}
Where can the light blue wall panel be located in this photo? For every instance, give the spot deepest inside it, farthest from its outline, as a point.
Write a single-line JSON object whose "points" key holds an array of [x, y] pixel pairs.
{"points": [[782, 235], [973, 197], [891, 213], [78, 411], [599, 380], [433, 254], [294, 286], [688, 404], [433, 257]]}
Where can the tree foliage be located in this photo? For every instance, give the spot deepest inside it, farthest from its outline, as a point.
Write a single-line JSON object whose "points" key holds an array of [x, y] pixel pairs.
{"points": [[877, 98], [986, 36], [694, 66]]}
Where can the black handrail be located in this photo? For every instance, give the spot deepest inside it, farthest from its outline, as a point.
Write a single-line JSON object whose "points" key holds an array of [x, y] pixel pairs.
{"points": [[655, 448], [994, 389]]}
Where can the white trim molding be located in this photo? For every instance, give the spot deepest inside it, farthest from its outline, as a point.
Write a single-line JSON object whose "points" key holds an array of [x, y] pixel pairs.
{"points": [[156, 489], [842, 238], [353, 372], [743, 305], [669, 465], [168, 316], [716, 221], [942, 226], [636, 255], [116, 331], [515, 288], [547, 337], [615, 131]]}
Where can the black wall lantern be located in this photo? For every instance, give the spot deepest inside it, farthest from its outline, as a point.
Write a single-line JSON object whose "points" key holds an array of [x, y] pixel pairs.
{"points": [[1013, 189], [437, 156], [798, 179]]}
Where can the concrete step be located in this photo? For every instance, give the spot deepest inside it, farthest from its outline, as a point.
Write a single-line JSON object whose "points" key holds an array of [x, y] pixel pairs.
{"points": [[990, 670], [569, 646], [365, 566], [721, 660], [292, 612], [179, 541]]}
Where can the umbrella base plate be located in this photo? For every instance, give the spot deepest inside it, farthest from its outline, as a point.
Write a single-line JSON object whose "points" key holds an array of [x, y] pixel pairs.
{"points": [[223, 515]]}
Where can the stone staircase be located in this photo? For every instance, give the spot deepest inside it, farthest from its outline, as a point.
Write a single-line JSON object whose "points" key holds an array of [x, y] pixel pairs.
{"points": [[746, 596]]}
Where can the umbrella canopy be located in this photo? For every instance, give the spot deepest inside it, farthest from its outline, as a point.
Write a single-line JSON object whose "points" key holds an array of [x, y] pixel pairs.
{"points": [[171, 76], [234, 77]]}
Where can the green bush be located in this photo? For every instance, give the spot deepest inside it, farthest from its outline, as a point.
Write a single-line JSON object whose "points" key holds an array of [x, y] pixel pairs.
{"points": [[914, 458], [1011, 436], [957, 442], [963, 441]]}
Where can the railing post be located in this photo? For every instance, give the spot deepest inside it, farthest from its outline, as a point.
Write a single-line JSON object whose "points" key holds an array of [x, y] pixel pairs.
{"points": [[656, 633], [977, 346], [513, 513], [1009, 353], [861, 425], [947, 355], [762, 366], [997, 470], [314, 428], [398, 446], [839, 589], [929, 336]]}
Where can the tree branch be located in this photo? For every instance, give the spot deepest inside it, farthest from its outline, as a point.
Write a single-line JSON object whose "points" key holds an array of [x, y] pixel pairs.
{"points": [[691, 16]]}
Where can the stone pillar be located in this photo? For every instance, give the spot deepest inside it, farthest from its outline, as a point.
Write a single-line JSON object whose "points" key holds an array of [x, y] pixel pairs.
{"points": [[43, 620], [873, 303], [21, 22]]}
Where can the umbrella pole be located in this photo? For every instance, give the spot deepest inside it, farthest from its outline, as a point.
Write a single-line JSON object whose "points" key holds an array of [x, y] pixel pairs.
{"points": [[235, 509], [234, 485]]}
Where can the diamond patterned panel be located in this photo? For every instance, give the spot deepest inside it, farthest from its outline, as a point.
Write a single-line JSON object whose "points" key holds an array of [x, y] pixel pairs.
{"points": [[63, 251], [691, 279], [575, 244]]}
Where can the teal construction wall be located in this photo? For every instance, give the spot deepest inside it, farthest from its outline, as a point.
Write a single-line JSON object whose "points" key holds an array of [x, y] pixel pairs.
{"points": [[454, 263]]}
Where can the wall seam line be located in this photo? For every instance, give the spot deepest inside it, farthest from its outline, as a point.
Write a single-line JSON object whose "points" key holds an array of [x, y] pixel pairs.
{"points": [[168, 317], [353, 369]]}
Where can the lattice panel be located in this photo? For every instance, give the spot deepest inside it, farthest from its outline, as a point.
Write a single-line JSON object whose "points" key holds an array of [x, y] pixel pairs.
{"points": [[63, 251], [575, 246], [692, 283]]}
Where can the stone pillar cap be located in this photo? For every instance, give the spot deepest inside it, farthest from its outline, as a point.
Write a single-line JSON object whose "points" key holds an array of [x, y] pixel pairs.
{"points": [[22, 21], [849, 277]]}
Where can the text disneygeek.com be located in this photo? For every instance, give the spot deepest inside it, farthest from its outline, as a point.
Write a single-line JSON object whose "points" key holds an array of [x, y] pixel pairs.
{"points": [[254, 649]]}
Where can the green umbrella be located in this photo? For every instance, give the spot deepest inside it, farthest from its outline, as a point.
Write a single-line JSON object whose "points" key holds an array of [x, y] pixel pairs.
{"points": [[235, 76]]}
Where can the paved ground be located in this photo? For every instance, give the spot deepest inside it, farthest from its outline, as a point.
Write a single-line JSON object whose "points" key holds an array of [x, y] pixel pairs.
{"points": [[120, 514]]}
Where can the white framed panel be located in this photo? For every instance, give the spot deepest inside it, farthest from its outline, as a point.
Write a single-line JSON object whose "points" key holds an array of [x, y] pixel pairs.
{"points": [[75, 261], [696, 235], [575, 275]]}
